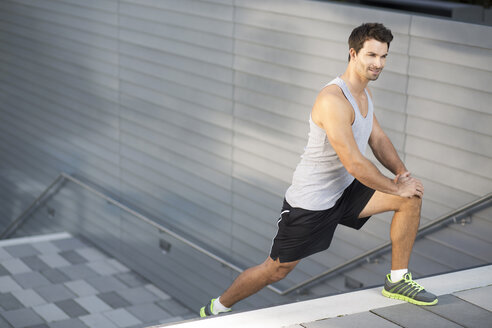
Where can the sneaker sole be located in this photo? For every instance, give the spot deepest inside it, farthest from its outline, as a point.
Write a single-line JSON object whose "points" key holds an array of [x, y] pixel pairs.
{"points": [[407, 299]]}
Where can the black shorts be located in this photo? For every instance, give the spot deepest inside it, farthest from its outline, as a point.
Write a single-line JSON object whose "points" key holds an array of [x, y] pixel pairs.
{"points": [[303, 232]]}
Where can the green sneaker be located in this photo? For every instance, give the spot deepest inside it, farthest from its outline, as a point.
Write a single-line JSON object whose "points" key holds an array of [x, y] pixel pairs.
{"points": [[408, 290], [208, 309]]}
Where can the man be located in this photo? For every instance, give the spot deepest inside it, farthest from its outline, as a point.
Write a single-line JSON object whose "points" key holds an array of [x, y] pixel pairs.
{"points": [[335, 184]]}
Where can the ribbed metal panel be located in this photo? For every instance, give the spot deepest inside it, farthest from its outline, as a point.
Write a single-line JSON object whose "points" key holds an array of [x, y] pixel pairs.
{"points": [[197, 112]]}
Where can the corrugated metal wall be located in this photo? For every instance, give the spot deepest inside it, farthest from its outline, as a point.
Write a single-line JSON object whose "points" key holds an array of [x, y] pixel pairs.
{"points": [[196, 112]]}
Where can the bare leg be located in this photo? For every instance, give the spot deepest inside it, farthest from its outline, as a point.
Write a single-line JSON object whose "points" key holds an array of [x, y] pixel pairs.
{"points": [[254, 279], [404, 225]]}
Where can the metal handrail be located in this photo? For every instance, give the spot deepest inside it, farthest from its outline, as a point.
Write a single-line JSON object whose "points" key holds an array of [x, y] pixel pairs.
{"points": [[453, 215]]}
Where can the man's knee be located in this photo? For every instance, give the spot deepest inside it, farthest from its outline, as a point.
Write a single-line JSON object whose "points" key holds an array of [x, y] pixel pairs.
{"points": [[278, 271], [413, 204]]}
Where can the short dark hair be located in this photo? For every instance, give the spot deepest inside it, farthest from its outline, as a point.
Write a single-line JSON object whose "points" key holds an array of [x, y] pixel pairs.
{"points": [[368, 31]]}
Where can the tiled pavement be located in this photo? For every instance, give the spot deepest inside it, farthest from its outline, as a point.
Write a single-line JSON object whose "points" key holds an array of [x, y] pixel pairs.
{"points": [[60, 281]]}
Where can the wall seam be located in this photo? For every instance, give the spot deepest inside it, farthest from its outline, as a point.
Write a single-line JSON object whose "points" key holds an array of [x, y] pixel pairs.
{"points": [[405, 131]]}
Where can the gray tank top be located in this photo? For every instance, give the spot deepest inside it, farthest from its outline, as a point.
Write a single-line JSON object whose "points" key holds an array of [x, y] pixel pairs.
{"points": [[320, 178]]}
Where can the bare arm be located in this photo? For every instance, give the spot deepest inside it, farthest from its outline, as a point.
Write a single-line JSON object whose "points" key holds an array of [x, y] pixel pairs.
{"points": [[384, 150], [335, 116]]}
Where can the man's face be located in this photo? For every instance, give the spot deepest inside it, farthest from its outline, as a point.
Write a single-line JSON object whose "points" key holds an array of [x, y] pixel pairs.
{"points": [[370, 60]]}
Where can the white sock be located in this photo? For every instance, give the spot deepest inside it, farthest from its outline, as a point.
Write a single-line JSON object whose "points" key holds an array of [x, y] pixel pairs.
{"points": [[397, 275], [219, 307]]}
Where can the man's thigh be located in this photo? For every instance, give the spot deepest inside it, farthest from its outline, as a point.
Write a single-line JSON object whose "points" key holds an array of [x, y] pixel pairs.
{"points": [[381, 202]]}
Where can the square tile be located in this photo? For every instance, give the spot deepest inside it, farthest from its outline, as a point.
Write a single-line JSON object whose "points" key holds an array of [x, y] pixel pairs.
{"points": [[156, 291], [78, 271], [137, 295], [106, 283], [35, 263], [81, 288], [50, 312], [4, 323], [8, 302], [54, 293], [478, 296], [132, 279], [54, 260], [148, 312], [118, 266], [31, 280], [70, 323], [3, 271], [93, 304], [114, 300], [45, 247], [90, 254], [28, 297], [102, 268], [55, 276], [72, 308], [4, 255], [7, 284], [97, 321], [21, 250], [122, 318], [73, 257], [68, 244], [15, 266], [22, 318]]}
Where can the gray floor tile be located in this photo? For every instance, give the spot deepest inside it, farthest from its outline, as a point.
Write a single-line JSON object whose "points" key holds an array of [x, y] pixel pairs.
{"points": [[478, 296], [54, 293], [157, 292], [106, 283], [15, 266], [452, 308], [70, 323], [22, 318], [69, 244], [122, 318], [21, 250], [93, 304], [35, 263], [78, 271], [358, 320], [73, 257], [91, 254], [72, 308], [54, 260], [137, 295], [412, 316], [148, 312], [102, 268], [7, 284], [28, 297], [4, 255], [173, 307], [55, 276], [43, 325], [8, 302], [30, 280], [3, 271], [118, 265], [45, 247], [97, 321], [81, 288], [132, 279], [4, 323], [50, 312], [114, 300]]}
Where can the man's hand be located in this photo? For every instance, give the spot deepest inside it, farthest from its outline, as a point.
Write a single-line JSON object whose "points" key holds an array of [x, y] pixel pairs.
{"points": [[408, 186]]}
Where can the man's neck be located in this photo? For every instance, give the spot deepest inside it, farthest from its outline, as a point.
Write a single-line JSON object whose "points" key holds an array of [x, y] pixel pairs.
{"points": [[356, 83]]}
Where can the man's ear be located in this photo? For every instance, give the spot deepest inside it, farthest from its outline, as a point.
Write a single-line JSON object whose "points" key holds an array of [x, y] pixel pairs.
{"points": [[352, 53]]}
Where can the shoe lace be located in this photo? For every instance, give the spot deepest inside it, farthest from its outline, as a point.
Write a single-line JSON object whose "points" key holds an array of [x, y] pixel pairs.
{"points": [[413, 283]]}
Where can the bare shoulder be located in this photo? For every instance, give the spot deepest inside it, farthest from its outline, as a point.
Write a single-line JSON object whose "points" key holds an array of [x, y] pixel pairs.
{"points": [[331, 102]]}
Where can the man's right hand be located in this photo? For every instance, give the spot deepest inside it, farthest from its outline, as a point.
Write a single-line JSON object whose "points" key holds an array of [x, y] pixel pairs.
{"points": [[408, 186]]}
